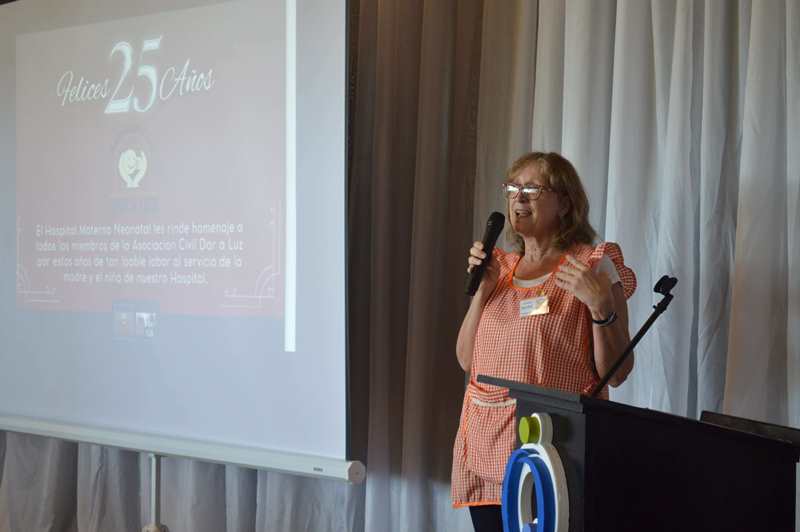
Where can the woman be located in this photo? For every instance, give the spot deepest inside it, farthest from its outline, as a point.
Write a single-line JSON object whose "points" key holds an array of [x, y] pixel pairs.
{"points": [[551, 313]]}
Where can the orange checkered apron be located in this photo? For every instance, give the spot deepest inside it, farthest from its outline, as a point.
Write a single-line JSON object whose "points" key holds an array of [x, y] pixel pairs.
{"points": [[552, 350]]}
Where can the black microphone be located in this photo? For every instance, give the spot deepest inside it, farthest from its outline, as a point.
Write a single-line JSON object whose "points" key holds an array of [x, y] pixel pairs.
{"points": [[494, 225]]}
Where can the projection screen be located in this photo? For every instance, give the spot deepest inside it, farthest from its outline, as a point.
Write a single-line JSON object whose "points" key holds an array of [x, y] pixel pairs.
{"points": [[172, 193]]}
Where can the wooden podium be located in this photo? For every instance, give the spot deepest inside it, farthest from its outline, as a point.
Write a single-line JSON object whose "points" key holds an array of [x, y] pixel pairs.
{"points": [[633, 469]]}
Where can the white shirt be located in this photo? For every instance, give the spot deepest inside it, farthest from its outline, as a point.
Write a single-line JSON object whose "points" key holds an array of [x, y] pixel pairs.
{"points": [[604, 265]]}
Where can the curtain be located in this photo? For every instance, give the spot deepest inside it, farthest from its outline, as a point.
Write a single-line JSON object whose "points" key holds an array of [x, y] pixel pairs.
{"points": [[683, 119], [414, 182], [413, 94]]}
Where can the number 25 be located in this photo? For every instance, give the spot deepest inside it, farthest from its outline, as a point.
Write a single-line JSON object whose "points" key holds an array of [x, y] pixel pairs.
{"points": [[149, 72]]}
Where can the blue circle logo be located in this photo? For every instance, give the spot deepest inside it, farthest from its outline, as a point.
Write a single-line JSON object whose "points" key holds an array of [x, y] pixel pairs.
{"points": [[535, 497]]}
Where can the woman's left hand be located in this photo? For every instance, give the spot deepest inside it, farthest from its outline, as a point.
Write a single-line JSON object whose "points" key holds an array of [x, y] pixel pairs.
{"points": [[592, 289]]}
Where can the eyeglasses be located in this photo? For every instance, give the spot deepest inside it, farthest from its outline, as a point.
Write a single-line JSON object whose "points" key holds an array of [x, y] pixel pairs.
{"points": [[531, 191]]}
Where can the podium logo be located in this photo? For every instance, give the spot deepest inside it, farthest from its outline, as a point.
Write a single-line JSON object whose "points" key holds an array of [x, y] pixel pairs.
{"points": [[535, 497], [132, 167]]}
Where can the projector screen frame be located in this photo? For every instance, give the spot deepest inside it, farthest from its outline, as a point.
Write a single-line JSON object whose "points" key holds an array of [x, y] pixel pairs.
{"points": [[350, 451], [305, 465], [348, 469]]}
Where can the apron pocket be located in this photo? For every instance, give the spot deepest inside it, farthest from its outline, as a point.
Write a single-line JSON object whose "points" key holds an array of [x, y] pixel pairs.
{"points": [[490, 437]]}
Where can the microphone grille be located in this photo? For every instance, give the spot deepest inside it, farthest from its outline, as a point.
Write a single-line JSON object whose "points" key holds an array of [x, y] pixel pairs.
{"points": [[496, 219]]}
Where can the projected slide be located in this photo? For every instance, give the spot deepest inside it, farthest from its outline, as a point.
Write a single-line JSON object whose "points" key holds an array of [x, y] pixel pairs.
{"points": [[173, 206], [151, 165]]}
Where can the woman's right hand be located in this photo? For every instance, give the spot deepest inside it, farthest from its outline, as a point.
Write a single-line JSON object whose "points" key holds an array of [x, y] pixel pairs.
{"points": [[490, 274]]}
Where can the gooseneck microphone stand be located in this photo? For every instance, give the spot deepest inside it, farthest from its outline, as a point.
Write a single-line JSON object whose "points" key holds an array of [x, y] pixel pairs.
{"points": [[663, 287]]}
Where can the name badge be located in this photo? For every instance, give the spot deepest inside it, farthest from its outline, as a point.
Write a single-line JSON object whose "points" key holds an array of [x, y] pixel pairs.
{"points": [[534, 306]]}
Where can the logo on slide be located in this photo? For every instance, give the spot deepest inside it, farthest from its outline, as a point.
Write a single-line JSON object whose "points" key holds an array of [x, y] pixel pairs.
{"points": [[132, 167]]}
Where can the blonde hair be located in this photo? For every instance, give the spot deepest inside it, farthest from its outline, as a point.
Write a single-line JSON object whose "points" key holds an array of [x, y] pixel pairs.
{"points": [[561, 176]]}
